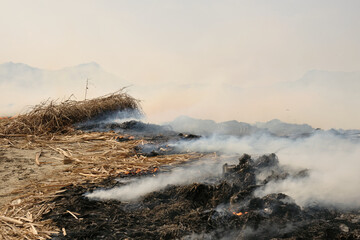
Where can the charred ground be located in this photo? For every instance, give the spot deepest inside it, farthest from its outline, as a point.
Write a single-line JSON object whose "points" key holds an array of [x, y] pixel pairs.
{"points": [[223, 208]]}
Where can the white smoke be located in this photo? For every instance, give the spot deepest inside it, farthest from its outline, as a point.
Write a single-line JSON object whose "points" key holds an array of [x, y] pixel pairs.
{"points": [[333, 161], [179, 176], [118, 117]]}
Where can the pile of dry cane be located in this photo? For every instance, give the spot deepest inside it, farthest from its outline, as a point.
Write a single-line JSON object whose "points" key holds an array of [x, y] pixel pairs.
{"points": [[52, 117]]}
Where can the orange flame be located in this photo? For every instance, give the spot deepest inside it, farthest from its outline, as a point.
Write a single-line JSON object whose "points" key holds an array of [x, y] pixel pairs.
{"points": [[239, 213], [155, 169], [138, 170]]}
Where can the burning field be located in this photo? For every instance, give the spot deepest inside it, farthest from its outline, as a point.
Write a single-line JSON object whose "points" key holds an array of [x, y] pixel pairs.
{"points": [[93, 170], [223, 207]]}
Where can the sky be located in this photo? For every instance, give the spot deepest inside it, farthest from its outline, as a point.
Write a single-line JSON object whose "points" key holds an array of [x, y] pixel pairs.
{"points": [[242, 43]]}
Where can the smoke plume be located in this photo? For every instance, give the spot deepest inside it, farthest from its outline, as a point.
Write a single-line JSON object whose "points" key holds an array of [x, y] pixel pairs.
{"points": [[142, 186], [333, 161]]}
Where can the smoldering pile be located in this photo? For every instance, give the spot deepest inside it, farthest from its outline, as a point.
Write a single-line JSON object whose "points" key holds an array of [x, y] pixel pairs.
{"points": [[225, 207], [125, 125]]}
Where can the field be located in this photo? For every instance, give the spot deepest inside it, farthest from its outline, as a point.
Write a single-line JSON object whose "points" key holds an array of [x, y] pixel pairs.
{"points": [[128, 181]]}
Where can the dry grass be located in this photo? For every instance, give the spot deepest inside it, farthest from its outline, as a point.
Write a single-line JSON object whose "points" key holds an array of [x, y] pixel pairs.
{"points": [[88, 157], [51, 117], [21, 219]]}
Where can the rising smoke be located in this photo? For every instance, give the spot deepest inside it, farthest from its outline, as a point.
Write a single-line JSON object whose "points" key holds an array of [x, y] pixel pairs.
{"points": [[333, 161], [142, 186]]}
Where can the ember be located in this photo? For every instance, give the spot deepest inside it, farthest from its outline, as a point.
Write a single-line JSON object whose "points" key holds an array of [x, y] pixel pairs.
{"points": [[239, 213], [124, 138]]}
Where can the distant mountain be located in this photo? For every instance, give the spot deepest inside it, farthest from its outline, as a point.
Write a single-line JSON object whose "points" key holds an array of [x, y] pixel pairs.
{"points": [[23, 85], [330, 79], [19, 74], [234, 128], [330, 85], [10, 69], [187, 124], [323, 98], [280, 128]]}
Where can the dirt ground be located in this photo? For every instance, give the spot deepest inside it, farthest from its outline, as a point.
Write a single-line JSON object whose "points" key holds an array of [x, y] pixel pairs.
{"points": [[18, 169]]}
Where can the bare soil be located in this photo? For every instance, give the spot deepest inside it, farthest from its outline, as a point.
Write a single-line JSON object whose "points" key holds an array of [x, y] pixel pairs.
{"points": [[18, 169]]}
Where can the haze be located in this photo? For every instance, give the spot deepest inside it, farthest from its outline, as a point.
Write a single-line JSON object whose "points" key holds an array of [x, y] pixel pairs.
{"points": [[223, 60]]}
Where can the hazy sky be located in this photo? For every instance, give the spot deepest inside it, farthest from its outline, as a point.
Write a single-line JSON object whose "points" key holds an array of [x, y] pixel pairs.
{"points": [[243, 42]]}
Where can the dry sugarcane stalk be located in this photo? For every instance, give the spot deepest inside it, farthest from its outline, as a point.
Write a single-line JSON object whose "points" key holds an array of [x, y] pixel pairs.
{"points": [[64, 231], [11, 220], [33, 229], [37, 156], [72, 214]]}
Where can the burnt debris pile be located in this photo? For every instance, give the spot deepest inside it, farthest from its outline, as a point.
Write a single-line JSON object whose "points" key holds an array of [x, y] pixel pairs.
{"points": [[164, 144], [133, 127], [226, 207]]}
